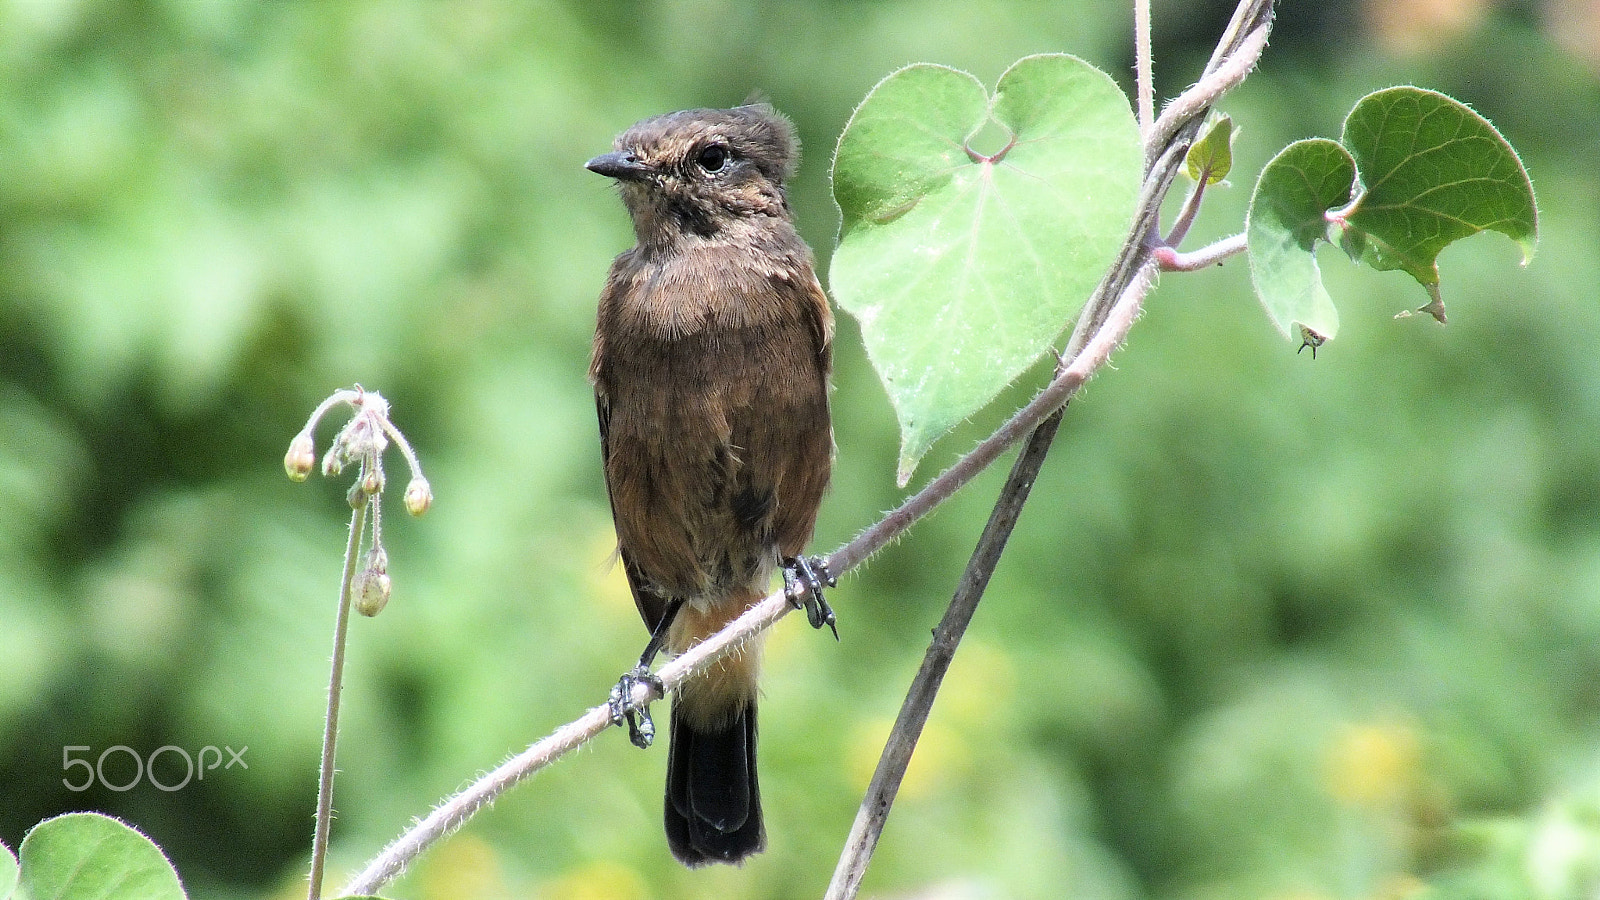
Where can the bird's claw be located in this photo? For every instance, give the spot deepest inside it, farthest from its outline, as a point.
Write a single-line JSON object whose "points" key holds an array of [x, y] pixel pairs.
{"points": [[812, 575], [641, 728]]}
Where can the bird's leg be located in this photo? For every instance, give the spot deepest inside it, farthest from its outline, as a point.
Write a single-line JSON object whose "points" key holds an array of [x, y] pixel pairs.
{"points": [[641, 728], [812, 575]]}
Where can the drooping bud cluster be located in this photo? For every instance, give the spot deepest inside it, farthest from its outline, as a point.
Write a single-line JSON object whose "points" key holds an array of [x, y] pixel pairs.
{"points": [[361, 443]]}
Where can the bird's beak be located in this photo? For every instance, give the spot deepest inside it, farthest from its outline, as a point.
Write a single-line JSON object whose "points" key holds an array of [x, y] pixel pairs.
{"points": [[619, 164]]}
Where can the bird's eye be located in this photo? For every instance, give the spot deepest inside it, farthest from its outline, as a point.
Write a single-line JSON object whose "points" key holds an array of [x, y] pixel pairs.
{"points": [[713, 159]]}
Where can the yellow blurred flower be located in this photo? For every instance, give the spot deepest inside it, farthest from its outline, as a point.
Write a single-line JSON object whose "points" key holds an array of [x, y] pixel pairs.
{"points": [[598, 880], [463, 866], [1373, 766], [940, 752]]}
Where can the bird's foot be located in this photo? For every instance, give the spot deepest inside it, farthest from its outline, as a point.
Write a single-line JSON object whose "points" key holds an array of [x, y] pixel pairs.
{"points": [[641, 728], [810, 575]]}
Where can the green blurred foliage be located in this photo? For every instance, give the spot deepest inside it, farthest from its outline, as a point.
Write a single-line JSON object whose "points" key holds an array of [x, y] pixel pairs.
{"points": [[1270, 628]]}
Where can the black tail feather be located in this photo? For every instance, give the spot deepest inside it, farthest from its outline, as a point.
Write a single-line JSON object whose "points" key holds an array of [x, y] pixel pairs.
{"points": [[713, 804]]}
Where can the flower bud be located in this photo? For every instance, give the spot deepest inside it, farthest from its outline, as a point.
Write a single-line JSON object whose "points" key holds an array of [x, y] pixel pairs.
{"points": [[372, 592], [419, 496], [371, 479], [300, 459], [372, 585]]}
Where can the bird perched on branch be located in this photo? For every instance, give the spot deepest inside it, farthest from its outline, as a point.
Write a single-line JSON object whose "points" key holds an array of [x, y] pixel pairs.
{"points": [[711, 360]]}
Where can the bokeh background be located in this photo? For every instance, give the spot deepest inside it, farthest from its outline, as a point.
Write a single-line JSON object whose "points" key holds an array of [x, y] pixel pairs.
{"points": [[1269, 628]]}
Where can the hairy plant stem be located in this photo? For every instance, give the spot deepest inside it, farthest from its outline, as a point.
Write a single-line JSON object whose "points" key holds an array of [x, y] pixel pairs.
{"points": [[1215, 254], [1186, 214], [1144, 66], [885, 785], [1099, 317], [330, 728]]}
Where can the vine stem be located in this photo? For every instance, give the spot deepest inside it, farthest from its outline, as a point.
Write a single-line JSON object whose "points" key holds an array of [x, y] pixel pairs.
{"points": [[330, 727], [1144, 67], [1102, 328], [1215, 254], [1186, 214], [1235, 56], [914, 712]]}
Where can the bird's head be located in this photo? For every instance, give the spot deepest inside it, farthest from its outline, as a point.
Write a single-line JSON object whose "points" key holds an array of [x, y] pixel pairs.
{"points": [[699, 172]]}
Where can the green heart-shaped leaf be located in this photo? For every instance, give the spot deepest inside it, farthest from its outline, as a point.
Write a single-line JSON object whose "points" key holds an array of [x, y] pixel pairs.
{"points": [[1210, 159], [1433, 172], [87, 855], [974, 226], [1287, 218]]}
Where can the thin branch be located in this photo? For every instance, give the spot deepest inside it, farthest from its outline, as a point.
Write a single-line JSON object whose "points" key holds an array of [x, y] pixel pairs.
{"points": [[1171, 260], [453, 812], [1129, 279], [1226, 71], [1246, 17], [1144, 69], [456, 810], [1187, 214], [330, 725], [1101, 329], [874, 812], [914, 712]]}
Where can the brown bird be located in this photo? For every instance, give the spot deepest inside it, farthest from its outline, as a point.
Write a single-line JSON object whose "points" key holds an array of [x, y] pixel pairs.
{"points": [[711, 361]]}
